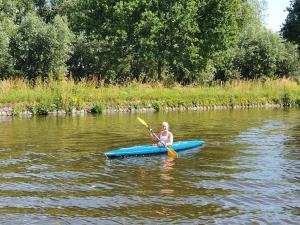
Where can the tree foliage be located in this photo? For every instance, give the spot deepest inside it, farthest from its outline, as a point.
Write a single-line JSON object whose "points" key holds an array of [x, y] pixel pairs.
{"points": [[262, 53], [125, 40], [7, 30], [259, 52], [291, 27], [39, 48]]}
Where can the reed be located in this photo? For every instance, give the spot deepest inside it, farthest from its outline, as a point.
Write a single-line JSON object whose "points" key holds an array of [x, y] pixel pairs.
{"points": [[68, 94]]}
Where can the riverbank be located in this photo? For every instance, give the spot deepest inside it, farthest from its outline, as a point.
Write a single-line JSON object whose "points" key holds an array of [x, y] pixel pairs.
{"points": [[19, 97]]}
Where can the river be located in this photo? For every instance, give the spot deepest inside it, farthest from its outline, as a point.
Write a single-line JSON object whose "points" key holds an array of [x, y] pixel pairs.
{"points": [[53, 171]]}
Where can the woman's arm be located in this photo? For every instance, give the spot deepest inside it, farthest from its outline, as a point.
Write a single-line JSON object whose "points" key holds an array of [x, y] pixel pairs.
{"points": [[153, 135], [170, 140]]}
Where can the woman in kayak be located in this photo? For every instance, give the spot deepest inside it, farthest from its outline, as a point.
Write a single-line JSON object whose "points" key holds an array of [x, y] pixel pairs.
{"points": [[164, 136]]}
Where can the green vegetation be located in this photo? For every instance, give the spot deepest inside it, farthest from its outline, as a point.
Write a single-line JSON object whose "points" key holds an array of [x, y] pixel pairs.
{"points": [[53, 95], [127, 41], [78, 54], [291, 28], [97, 108]]}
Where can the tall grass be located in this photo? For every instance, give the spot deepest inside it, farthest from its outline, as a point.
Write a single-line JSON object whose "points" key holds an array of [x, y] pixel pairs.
{"points": [[68, 94]]}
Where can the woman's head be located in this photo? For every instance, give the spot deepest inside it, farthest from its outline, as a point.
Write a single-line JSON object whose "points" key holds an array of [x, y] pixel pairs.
{"points": [[165, 125]]}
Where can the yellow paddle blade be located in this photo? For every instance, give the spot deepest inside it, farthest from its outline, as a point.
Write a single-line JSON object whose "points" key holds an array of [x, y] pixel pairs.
{"points": [[142, 121], [172, 153]]}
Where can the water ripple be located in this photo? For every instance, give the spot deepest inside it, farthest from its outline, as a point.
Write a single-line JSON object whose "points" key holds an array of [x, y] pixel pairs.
{"points": [[246, 173]]}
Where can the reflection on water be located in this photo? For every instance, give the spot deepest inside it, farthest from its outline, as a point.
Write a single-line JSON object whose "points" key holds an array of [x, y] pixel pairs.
{"points": [[53, 171], [166, 173]]}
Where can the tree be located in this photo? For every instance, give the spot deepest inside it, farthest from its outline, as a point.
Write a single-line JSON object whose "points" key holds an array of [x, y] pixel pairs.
{"points": [[291, 27], [167, 39], [259, 52], [155, 40], [7, 30], [220, 23], [39, 48], [124, 40]]}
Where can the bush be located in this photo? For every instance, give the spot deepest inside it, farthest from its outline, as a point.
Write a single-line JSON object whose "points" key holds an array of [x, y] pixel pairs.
{"points": [[17, 110], [40, 109], [97, 108], [287, 100], [156, 106], [264, 53]]}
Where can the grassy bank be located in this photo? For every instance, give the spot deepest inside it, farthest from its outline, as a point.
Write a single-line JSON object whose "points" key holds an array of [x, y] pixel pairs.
{"points": [[66, 95]]}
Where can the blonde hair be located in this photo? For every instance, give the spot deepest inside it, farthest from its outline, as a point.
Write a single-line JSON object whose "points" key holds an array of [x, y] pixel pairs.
{"points": [[165, 123]]}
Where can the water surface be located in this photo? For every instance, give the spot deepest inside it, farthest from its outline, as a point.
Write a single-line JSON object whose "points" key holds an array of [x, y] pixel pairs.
{"points": [[53, 171]]}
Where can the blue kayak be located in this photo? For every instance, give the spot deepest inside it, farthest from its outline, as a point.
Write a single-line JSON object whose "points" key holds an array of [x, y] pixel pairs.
{"points": [[150, 149]]}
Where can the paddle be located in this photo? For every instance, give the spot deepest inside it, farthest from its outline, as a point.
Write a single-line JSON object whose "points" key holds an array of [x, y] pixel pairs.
{"points": [[171, 152]]}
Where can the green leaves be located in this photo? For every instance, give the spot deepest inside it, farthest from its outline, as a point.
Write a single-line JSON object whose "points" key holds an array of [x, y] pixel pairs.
{"points": [[261, 53], [291, 27], [39, 48], [147, 41]]}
